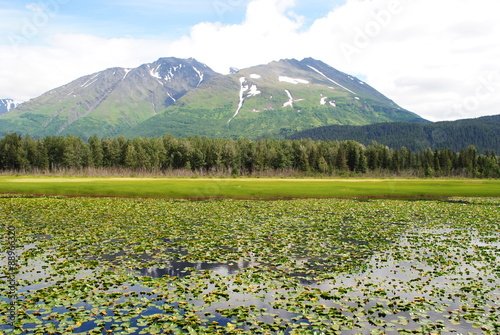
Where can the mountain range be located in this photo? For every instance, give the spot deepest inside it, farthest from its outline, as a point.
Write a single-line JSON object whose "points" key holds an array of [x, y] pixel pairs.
{"points": [[184, 97]]}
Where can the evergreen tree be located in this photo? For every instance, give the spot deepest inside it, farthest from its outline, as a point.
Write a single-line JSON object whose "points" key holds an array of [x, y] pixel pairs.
{"points": [[131, 161], [341, 161], [96, 150], [12, 154], [323, 165]]}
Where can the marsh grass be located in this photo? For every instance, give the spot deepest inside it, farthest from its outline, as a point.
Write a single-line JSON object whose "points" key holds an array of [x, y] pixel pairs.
{"points": [[215, 173], [201, 187]]}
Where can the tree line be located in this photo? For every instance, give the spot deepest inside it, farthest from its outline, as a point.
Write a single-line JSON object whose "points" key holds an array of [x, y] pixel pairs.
{"points": [[239, 157]]}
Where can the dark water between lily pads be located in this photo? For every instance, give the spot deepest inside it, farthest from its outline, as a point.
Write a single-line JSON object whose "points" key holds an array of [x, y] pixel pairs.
{"points": [[295, 267]]}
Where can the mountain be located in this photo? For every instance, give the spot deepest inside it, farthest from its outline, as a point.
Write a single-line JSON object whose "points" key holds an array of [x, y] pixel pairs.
{"points": [[109, 102], [483, 133], [6, 105], [274, 100], [184, 97]]}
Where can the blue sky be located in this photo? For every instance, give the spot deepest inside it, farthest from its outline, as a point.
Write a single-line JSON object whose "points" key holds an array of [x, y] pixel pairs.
{"points": [[152, 18], [438, 59]]}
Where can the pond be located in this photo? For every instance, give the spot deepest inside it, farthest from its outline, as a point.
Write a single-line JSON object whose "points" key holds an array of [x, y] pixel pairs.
{"points": [[152, 266]]}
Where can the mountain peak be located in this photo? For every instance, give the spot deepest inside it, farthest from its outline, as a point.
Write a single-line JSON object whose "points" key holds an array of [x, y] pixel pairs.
{"points": [[288, 61], [275, 99], [108, 102], [311, 60]]}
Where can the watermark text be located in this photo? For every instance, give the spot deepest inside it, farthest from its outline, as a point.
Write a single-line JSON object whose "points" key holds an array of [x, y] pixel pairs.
{"points": [[222, 7], [12, 271], [487, 86], [42, 12], [363, 36]]}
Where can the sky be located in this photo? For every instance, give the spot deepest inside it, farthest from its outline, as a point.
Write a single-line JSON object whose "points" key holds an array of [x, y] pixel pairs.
{"points": [[436, 58]]}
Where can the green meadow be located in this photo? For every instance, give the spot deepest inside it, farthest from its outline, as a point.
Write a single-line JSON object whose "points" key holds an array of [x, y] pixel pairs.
{"points": [[249, 188]]}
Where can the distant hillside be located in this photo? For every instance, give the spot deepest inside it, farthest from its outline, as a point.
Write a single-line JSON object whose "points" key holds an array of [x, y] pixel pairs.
{"points": [[483, 133]]}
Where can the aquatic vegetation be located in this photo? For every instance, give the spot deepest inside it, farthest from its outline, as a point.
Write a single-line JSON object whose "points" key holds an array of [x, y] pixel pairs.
{"points": [[328, 266]]}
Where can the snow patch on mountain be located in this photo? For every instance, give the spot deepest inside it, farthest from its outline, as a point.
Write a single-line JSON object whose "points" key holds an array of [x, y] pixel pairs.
{"points": [[171, 72], [169, 76], [200, 74], [333, 81], [127, 71], [253, 91], [290, 101], [156, 74], [171, 97], [243, 88], [87, 85], [255, 76], [90, 81], [6, 105], [295, 81], [323, 101]]}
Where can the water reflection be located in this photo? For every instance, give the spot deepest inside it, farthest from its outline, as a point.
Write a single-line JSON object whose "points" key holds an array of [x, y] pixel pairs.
{"points": [[182, 269]]}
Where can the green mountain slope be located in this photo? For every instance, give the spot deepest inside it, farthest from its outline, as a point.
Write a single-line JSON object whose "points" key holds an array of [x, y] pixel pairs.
{"points": [[109, 102], [274, 100], [483, 133]]}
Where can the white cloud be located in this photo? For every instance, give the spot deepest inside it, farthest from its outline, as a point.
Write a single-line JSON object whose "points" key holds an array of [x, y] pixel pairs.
{"points": [[430, 57], [436, 58], [268, 32], [33, 70]]}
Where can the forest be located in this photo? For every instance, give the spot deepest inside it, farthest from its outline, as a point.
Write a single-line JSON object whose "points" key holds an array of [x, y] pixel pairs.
{"points": [[455, 135], [241, 157]]}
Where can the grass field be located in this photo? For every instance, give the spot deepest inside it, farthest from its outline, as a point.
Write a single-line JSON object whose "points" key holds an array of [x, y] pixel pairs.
{"points": [[249, 187]]}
